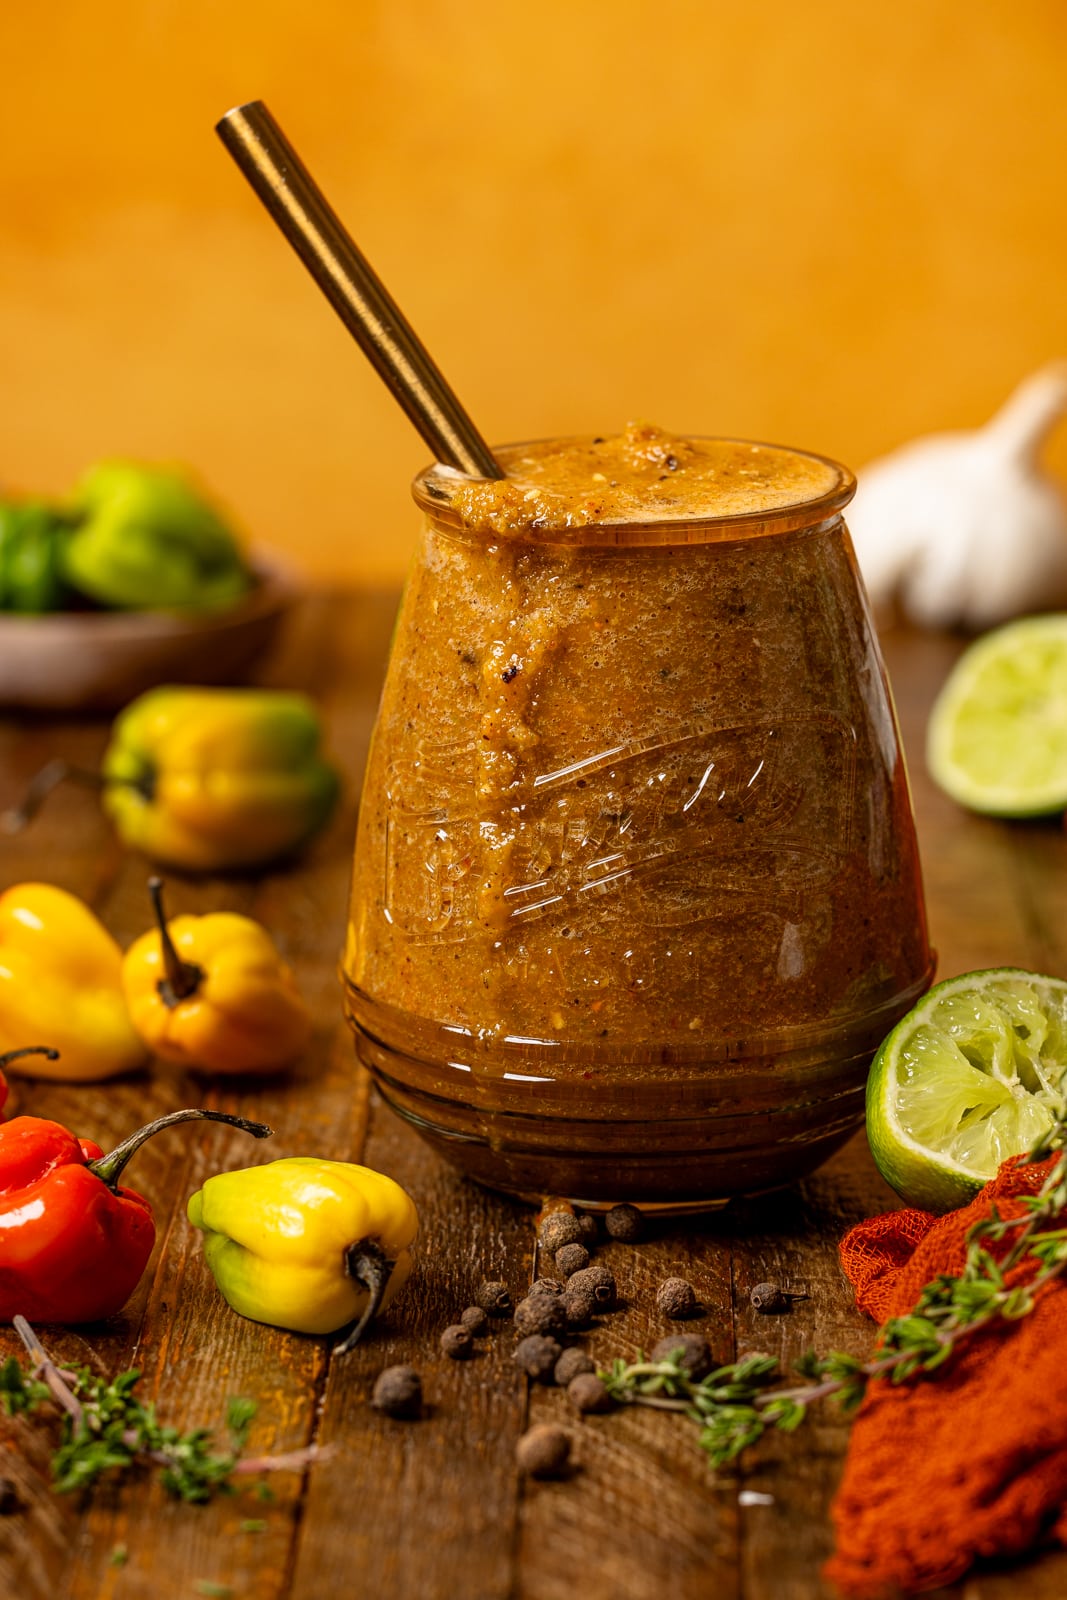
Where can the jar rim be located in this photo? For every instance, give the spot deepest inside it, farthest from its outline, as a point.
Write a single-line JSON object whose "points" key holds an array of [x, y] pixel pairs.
{"points": [[431, 489]]}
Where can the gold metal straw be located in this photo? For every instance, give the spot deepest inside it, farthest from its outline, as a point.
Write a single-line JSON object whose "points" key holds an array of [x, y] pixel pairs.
{"points": [[353, 288]]}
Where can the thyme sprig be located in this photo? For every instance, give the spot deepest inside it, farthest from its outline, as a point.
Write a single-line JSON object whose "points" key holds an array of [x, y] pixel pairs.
{"points": [[735, 1405], [106, 1428]]}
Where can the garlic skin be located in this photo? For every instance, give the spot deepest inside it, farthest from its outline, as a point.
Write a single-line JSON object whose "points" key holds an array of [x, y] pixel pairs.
{"points": [[966, 529]]}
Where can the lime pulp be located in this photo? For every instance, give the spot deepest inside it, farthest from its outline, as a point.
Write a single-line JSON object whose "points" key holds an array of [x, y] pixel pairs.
{"points": [[975, 1073]]}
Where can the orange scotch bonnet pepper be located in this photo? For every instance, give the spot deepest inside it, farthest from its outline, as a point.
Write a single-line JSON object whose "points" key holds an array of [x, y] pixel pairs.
{"points": [[213, 992]]}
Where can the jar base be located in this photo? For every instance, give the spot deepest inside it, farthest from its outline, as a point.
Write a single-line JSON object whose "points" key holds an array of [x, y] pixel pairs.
{"points": [[682, 1129], [601, 1165]]}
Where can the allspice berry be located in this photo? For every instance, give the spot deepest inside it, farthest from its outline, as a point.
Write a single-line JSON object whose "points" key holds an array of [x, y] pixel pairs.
{"points": [[545, 1286], [579, 1306], [771, 1297], [398, 1392], [625, 1223], [559, 1228], [570, 1364], [696, 1353], [587, 1392], [543, 1451], [540, 1313], [474, 1319], [599, 1282], [457, 1342], [590, 1234], [571, 1258], [537, 1355], [493, 1297], [675, 1298]]}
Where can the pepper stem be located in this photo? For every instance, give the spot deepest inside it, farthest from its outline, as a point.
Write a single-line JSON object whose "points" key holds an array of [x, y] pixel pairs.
{"points": [[30, 1050], [55, 772], [367, 1263], [183, 977], [109, 1168]]}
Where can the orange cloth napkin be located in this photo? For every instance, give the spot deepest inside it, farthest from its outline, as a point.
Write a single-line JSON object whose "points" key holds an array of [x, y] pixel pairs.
{"points": [[971, 1462]]}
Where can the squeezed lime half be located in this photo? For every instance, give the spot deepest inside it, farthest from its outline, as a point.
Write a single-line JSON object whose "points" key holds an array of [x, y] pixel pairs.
{"points": [[973, 1074], [997, 736]]}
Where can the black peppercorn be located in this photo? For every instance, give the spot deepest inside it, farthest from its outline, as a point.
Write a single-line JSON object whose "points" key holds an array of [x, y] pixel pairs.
{"points": [[457, 1342], [544, 1451], [695, 1353], [586, 1392], [540, 1313], [493, 1297], [625, 1223], [559, 1228], [545, 1286], [579, 1306], [675, 1298], [571, 1258], [398, 1392], [598, 1281], [475, 1319], [537, 1355], [570, 1364]]}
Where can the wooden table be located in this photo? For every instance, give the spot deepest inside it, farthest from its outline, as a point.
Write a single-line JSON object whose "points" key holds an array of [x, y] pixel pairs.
{"points": [[434, 1510]]}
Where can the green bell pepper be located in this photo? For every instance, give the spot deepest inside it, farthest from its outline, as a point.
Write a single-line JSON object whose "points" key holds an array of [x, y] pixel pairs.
{"points": [[145, 540]]}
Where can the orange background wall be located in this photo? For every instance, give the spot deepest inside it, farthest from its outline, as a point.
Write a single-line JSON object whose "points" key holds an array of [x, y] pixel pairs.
{"points": [[833, 225]]}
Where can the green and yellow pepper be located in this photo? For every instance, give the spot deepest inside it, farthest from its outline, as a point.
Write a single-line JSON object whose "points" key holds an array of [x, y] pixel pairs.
{"points": [[206, 779], [145, 539], [307, 1244], [212, 779], [61, 980], [213, 992]]}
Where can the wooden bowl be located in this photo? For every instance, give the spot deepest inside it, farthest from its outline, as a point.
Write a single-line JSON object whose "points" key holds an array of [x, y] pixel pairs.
{"points": [[99, 660]]}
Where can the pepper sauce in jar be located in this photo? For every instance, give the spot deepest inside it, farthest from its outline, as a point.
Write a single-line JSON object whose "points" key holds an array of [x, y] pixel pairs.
{"points": [[636, 890]]}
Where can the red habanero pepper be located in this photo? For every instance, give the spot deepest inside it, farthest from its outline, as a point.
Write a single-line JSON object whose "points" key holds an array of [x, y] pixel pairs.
{"points": [[73, 1244]]}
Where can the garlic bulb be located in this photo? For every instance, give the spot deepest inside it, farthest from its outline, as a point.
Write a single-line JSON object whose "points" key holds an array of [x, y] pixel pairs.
{"points": [[966, 529]]}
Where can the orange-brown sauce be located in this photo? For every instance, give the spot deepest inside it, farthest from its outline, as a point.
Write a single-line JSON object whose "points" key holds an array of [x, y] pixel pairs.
{"points": [[641, 474]]}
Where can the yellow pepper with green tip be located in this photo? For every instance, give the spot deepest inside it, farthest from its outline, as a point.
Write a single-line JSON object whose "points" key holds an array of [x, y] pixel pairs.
{"points": [[61, 981], [212, 779], [305, 1243]]}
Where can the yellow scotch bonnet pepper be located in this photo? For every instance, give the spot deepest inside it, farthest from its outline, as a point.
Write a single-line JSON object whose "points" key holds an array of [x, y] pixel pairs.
{"points": [[305, 1243], [212, 779], [213, 992], [61, 980]]}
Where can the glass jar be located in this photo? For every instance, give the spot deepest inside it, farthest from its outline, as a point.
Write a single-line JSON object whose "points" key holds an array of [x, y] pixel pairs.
{"points": [[636, 890]]}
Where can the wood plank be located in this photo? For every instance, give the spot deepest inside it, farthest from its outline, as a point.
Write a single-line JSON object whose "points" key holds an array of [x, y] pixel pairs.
{"points": [[425, 1507], [641, 1516]]}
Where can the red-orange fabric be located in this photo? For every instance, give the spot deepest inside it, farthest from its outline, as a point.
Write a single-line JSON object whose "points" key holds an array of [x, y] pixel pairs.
{"points": [[971, 1462]]}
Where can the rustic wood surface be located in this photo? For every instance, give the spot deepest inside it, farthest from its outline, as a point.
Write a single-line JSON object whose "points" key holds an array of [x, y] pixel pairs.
{"points": [[435, 1510]]}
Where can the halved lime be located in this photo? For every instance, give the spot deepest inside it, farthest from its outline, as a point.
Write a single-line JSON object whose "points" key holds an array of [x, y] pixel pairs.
{"points": [[997, 735], [976, 1072]]}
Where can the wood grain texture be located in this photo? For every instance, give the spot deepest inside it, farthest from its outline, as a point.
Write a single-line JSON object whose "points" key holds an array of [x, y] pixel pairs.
{"points": [[435, 1509]]}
